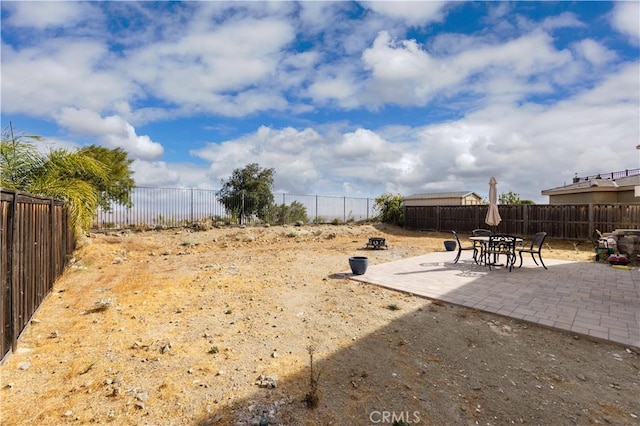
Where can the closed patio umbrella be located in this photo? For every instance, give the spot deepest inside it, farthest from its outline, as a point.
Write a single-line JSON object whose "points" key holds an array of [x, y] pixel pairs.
{"points": [[493, 216]]}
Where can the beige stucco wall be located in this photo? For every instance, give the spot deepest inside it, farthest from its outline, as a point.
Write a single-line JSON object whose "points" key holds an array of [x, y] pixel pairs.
{"points": [[596, 197], [471, 201], [628, 197]]}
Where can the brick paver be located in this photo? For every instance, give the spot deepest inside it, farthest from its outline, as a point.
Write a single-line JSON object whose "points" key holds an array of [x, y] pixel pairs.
{"points": [[588, 298]]}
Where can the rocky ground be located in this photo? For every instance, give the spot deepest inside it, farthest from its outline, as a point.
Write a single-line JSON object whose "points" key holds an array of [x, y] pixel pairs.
{"points": [[257, 326]]}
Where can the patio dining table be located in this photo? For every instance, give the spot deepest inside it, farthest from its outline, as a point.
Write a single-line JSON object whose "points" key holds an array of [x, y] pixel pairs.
{"points": [[496, 245]]}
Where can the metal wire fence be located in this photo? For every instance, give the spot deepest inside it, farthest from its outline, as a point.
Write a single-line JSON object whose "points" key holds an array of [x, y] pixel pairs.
{"points": [[168, 207]]}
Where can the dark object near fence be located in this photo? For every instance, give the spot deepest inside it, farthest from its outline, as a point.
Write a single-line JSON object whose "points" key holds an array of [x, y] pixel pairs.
{"points": [[358, 264], [36, 240], [618, 259], [449, 245], [603, 253], [377, 243], [462, 248], [536, 248]]}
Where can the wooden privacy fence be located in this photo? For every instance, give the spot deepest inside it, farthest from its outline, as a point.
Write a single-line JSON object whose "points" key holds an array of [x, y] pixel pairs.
{"points": [[36, 241], [567, 221]]}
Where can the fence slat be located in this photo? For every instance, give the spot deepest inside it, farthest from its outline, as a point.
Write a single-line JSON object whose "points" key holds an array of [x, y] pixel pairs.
{"points": [[13, 273]]}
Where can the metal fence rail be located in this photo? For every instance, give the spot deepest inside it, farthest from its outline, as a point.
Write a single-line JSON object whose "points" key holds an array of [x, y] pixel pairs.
{"points": [[612, 175], [158, 207], [36, 239]]}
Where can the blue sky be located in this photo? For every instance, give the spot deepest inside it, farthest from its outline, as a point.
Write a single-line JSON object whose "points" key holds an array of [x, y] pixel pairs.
{"points": [[340, 98]]}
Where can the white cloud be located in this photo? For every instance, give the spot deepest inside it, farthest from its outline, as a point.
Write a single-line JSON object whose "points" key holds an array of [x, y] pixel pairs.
{"points": [[528, 55], [204, 70], [335, 83], [363, 145], [594, 52], [531, 148], [61, 72], [47, 14], [527, 148], [172, 175], [319, 16], [564, 20], [298, 150], [621, 87], [404, 73], [156, 174], [111, 131], [402, 61], [304, 159], [626, 19], [411, 12], [498, 12], [232, 68]]}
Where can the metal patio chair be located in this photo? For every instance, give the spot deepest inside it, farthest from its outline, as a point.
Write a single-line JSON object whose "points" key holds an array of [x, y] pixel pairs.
{"points": [[480, 232], [536, 248], [462, 248]]}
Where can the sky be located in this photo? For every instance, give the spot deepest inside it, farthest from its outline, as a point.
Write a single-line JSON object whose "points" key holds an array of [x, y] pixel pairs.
{"points": [[342, 98]]}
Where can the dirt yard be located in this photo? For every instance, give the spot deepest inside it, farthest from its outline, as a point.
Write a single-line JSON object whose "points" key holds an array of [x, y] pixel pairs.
{"points": [[183, 327]]}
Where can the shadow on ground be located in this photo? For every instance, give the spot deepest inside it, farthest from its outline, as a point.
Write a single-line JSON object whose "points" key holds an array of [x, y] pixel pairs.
{"points": [[485, 370]]}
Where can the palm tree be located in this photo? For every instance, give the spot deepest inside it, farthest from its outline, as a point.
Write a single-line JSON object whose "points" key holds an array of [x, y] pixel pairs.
{"points": [[24, 168]]}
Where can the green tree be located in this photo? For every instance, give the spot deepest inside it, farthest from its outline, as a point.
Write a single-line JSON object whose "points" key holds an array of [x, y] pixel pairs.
{"points": [[283, 213], [63, 174], [391, 209], [18, 158], [512, 198], [248, 192], [509, 198], [120, 183]]}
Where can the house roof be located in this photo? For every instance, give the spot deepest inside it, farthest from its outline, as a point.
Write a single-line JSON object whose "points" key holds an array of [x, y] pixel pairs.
{"points": [[438, 195], [596, 185]]}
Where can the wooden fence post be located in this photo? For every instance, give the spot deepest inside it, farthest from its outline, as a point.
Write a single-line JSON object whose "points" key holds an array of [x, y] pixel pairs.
{"points": [[52, 240], [13, 278]]}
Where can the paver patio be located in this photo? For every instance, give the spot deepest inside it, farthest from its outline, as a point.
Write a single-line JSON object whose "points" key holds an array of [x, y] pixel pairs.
{"points": [[587, 298]]}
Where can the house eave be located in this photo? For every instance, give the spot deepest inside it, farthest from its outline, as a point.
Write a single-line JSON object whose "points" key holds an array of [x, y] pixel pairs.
{"points": [[564, 191]]}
